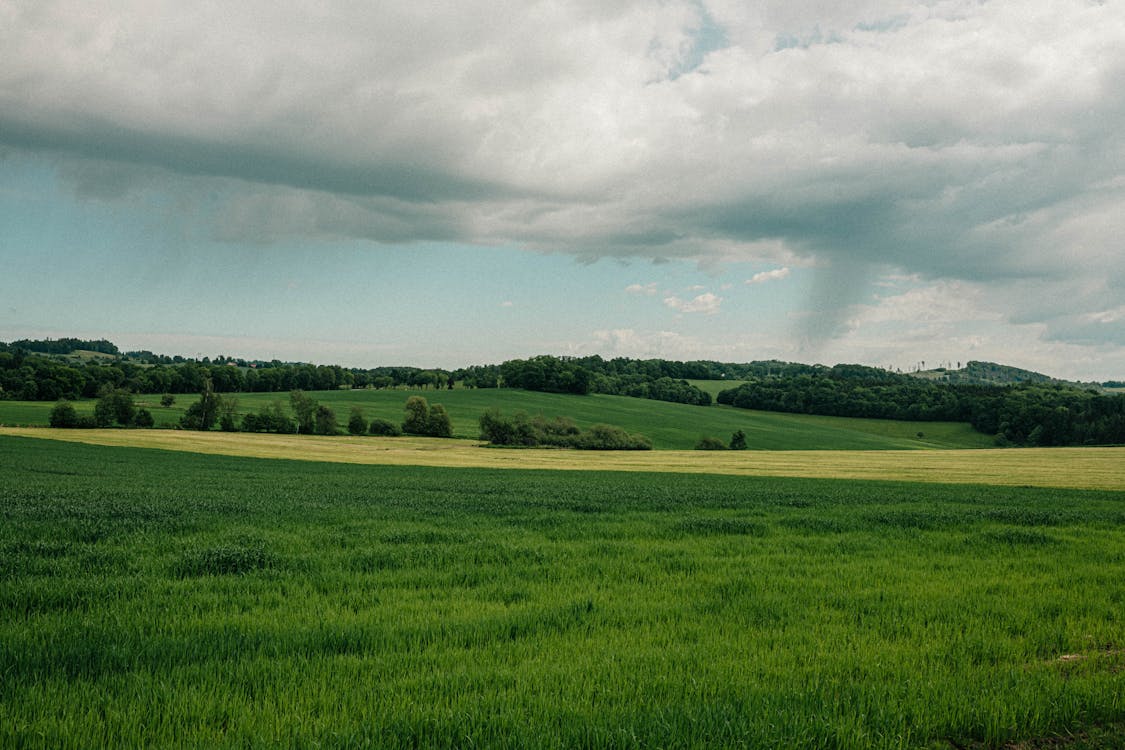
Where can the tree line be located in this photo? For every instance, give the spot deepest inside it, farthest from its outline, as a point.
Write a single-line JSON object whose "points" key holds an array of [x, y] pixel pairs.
{"points": [[1046, 414]]}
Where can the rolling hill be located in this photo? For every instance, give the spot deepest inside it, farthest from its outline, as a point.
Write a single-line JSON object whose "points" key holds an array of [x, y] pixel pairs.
{"points": [[670, 426]]}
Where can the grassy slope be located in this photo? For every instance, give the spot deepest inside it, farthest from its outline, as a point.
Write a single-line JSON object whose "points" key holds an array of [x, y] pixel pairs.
{"points": [[161, 599], [671, 426]]}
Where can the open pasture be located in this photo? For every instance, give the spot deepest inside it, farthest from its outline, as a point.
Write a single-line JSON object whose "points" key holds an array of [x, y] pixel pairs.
{"points": [[157, 598], [671, 426]]}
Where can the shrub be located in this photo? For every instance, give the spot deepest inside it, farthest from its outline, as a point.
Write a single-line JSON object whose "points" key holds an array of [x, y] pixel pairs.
{"points": [[500, 430], [423, 419], [63, 415], [114, 405], [143, 418], [167, 400], [606, 437], [438, 423], [384, 428], [357, 425], [738, 441], [561, 432], [324, 421], [710, 444]]}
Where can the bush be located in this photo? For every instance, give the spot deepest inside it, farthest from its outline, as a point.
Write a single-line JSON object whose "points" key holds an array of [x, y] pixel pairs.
{"points": [[606, 437], [270, 418], [514, 430], [438, 423], [384, 428], [423, 419], [167, 400], [357, 425], [738, 441], [324, 420], [560, 432], [114, 405], [143, 418], [710, 444], [63, 415]]}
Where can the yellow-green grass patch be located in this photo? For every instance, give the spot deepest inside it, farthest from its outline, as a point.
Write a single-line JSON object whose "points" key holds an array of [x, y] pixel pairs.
{"points": [[1078, 468]]}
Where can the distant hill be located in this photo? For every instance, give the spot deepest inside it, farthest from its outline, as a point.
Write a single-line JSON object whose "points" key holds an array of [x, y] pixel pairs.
{"points": [[66, 346], [991, 373]]}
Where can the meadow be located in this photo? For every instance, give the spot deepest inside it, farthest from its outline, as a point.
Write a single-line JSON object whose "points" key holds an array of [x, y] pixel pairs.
{"points": [[157, 598], [670, 426]]}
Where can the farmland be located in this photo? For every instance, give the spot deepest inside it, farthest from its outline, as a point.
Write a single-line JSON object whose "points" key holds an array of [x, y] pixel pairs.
{"points": [[671, 426], [162, 598]]}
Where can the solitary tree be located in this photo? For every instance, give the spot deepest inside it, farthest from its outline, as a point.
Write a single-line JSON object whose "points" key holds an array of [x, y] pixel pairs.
{"points": [[738, 441]]}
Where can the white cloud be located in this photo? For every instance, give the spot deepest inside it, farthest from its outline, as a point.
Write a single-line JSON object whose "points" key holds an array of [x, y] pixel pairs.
{"points": [[764, 276], [647, 290], [707, 303], [507, 303]]}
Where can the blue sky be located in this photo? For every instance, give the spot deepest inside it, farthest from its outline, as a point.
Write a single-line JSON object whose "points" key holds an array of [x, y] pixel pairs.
{"points": [[887, 183]]}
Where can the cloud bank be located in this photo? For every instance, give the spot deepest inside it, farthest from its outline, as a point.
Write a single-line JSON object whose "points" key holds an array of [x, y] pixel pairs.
{"points": [[953, 139]]}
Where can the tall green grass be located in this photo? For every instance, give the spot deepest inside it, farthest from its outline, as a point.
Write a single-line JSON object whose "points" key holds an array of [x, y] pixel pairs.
{"points": [[670, 426], [161, 599]]}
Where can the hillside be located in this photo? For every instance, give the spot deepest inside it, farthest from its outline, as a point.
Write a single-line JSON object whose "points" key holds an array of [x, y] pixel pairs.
{"points": [[671, 426], [991, 373]]}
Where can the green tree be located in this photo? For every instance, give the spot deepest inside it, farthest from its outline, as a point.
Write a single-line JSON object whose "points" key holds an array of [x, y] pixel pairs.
{"points": [[324, 420], [114, 405], [167, 400], [228, 405], [63, 415], [304, 406], [438, 422], [417, 420], [202, 414], [143, 418], [357, 425], [738, 441]]}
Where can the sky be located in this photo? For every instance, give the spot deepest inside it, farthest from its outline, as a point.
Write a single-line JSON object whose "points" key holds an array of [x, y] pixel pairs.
{"points": [[881, 182]]}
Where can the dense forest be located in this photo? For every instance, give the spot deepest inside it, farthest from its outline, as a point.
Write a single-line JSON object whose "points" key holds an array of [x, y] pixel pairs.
{"points": [[1037, 411]]}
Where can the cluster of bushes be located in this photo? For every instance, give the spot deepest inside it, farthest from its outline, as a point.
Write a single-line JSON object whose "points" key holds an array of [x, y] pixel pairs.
{"points": [[737, 443], [114, 407], [523, 431]]}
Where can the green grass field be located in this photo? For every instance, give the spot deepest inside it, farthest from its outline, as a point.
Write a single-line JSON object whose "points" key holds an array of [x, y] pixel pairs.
{"points": [[161, 599], [671, 426]]}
